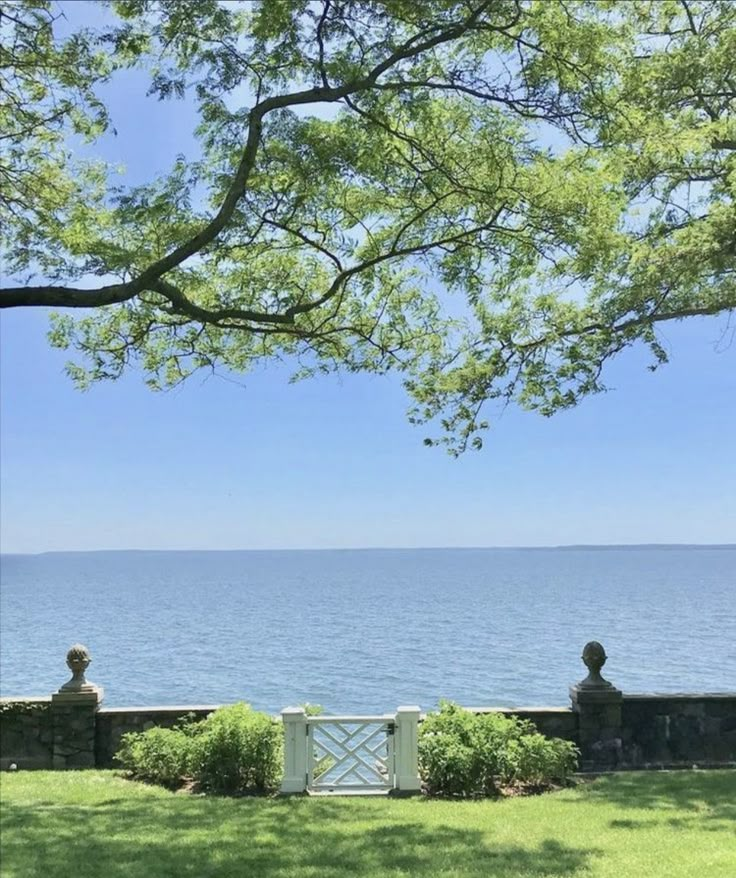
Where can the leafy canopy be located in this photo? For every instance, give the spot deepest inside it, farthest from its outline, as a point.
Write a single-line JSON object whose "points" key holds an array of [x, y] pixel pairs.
{"points": [[492, 196]]}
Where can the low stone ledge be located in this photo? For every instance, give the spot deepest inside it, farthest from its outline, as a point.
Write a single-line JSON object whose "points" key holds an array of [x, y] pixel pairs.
{"points": [[555, 714], [25, 699], [114, 722], [179, 709], [680, 696], [554, 722]]}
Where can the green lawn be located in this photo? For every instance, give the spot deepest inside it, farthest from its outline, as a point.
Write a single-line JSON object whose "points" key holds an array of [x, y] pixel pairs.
{"points": [[79, 824]]}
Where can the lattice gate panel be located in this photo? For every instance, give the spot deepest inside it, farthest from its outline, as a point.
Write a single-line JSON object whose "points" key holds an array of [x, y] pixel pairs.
{"points": [[350, 753]]}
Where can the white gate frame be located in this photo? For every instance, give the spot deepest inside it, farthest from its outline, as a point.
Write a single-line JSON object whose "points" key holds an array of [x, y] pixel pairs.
{"points": [[299, 751]]}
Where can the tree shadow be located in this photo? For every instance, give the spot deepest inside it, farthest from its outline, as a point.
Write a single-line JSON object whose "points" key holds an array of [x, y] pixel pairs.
{"points": [[681, 799], [207, 837]]}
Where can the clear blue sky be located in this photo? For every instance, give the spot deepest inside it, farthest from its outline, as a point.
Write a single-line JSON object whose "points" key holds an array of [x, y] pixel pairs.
{"points": [[333, 462]]}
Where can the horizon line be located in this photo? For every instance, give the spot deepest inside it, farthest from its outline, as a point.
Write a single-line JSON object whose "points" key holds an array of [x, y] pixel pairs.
{"points": [[551, 547]]}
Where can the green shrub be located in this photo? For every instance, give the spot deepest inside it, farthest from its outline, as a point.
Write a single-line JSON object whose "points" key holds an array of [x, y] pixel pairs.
{"points": [[237, 750], [313, 709], [448, 759], [234, 750], [461, 753], [157, 755], [536, 760]]}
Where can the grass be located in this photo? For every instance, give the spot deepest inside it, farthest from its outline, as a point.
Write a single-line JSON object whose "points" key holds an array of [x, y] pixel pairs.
{"points": [[643, 825]]}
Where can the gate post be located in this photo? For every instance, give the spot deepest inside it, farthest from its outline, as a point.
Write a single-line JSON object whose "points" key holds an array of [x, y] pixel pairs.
{"points": [[407, 769], [295, 750]]}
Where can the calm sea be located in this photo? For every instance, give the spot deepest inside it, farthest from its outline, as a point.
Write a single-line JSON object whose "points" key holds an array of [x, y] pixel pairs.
{"points": [[365, 631]]}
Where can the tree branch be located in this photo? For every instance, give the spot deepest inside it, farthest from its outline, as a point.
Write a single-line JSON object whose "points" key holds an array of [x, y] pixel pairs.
{"points": [[632, 323], [76, 298], [65, 297]]}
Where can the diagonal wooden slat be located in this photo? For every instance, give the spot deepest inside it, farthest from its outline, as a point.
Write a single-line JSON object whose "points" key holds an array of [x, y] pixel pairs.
{"points": [[349, 741], [356, 756], [355, 769], [367, 744]]}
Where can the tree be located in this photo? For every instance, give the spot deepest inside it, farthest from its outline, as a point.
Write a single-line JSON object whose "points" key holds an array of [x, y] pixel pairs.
{"points": [[503, 196]]}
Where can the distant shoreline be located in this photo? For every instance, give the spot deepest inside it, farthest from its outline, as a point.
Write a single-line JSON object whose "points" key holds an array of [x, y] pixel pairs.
{"points": [[563, 548]]}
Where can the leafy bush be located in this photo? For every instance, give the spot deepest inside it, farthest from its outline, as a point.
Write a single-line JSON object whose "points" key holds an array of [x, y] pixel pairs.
{"points": [[461, 753], [157, 755], [448, 759], [234, 750], [237, 750], [313, 709], [536, 760]]}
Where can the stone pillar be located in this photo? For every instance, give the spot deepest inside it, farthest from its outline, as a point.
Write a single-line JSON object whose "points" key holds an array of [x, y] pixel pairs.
{"points": [[598, 706], [405, 744], [295, 750], [74, 708]]}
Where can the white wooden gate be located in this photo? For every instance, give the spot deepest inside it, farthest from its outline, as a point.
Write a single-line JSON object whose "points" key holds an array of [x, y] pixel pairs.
{"points": [[350, 753]]}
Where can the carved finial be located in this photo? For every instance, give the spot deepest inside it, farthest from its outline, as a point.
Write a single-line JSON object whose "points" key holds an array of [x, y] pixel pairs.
{"points": [[78, 660], [594, 657]]}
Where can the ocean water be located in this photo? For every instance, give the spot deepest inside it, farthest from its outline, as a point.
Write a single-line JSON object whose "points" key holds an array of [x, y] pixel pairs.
{"points": [[368, 630]]}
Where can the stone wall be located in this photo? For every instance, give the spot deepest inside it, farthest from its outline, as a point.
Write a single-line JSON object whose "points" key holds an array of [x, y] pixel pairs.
{"points": [[613, 731], [654, 731], [114, 722], [657, 730], [26, 732], [43, 733], [673, 730]]}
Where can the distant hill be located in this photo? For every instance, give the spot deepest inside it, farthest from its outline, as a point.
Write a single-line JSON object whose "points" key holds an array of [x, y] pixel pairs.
{"points": [[566, 548]]}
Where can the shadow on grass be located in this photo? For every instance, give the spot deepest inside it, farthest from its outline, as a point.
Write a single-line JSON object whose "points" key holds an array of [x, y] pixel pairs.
{"points": [[201, 837], [681, 799]]}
